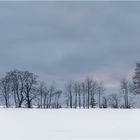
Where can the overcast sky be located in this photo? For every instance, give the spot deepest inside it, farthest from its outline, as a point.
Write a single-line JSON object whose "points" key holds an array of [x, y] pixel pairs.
{"points": [[69, 40]]}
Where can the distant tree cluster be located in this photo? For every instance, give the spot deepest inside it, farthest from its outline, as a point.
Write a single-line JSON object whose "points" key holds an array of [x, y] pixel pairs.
{"points": [[22, 89], [82, 94]]}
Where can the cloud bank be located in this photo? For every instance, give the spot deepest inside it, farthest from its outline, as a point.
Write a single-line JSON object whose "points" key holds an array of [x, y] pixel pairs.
{"points": [[69, 40]]}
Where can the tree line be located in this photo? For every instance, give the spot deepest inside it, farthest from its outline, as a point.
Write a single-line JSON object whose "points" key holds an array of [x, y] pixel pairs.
{"points": [[22, 89]]}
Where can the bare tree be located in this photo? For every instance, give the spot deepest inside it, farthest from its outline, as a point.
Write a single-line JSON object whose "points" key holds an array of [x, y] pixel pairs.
{"points": [[89, 90], [5, 90], [46, 97], [57, 96], [105, 102], [51, 95], [125, 91], [69, 90], [79, 94], [42, 95], [136, 80], [30, 82], [93, 92], [75, 89], [100, 92], [83, 87], [17, 86], [114, 100]]}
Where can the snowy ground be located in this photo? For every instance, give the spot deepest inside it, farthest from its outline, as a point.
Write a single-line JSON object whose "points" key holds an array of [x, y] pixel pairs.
{"points": [[69, 124]]}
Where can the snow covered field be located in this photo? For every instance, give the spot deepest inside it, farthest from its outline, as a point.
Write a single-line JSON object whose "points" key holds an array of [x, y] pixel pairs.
{"points": [[69, 124]]}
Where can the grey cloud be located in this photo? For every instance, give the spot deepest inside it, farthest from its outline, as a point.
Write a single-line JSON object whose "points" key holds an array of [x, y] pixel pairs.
{"points": [[65, 40]]}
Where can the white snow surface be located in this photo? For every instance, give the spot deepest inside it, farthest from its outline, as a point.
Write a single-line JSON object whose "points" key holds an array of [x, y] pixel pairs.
{"points": [[69, 124]]}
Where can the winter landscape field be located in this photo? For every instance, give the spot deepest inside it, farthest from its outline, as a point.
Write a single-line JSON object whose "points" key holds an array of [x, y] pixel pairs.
{"points": [[69, 124], [69, 70]]}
